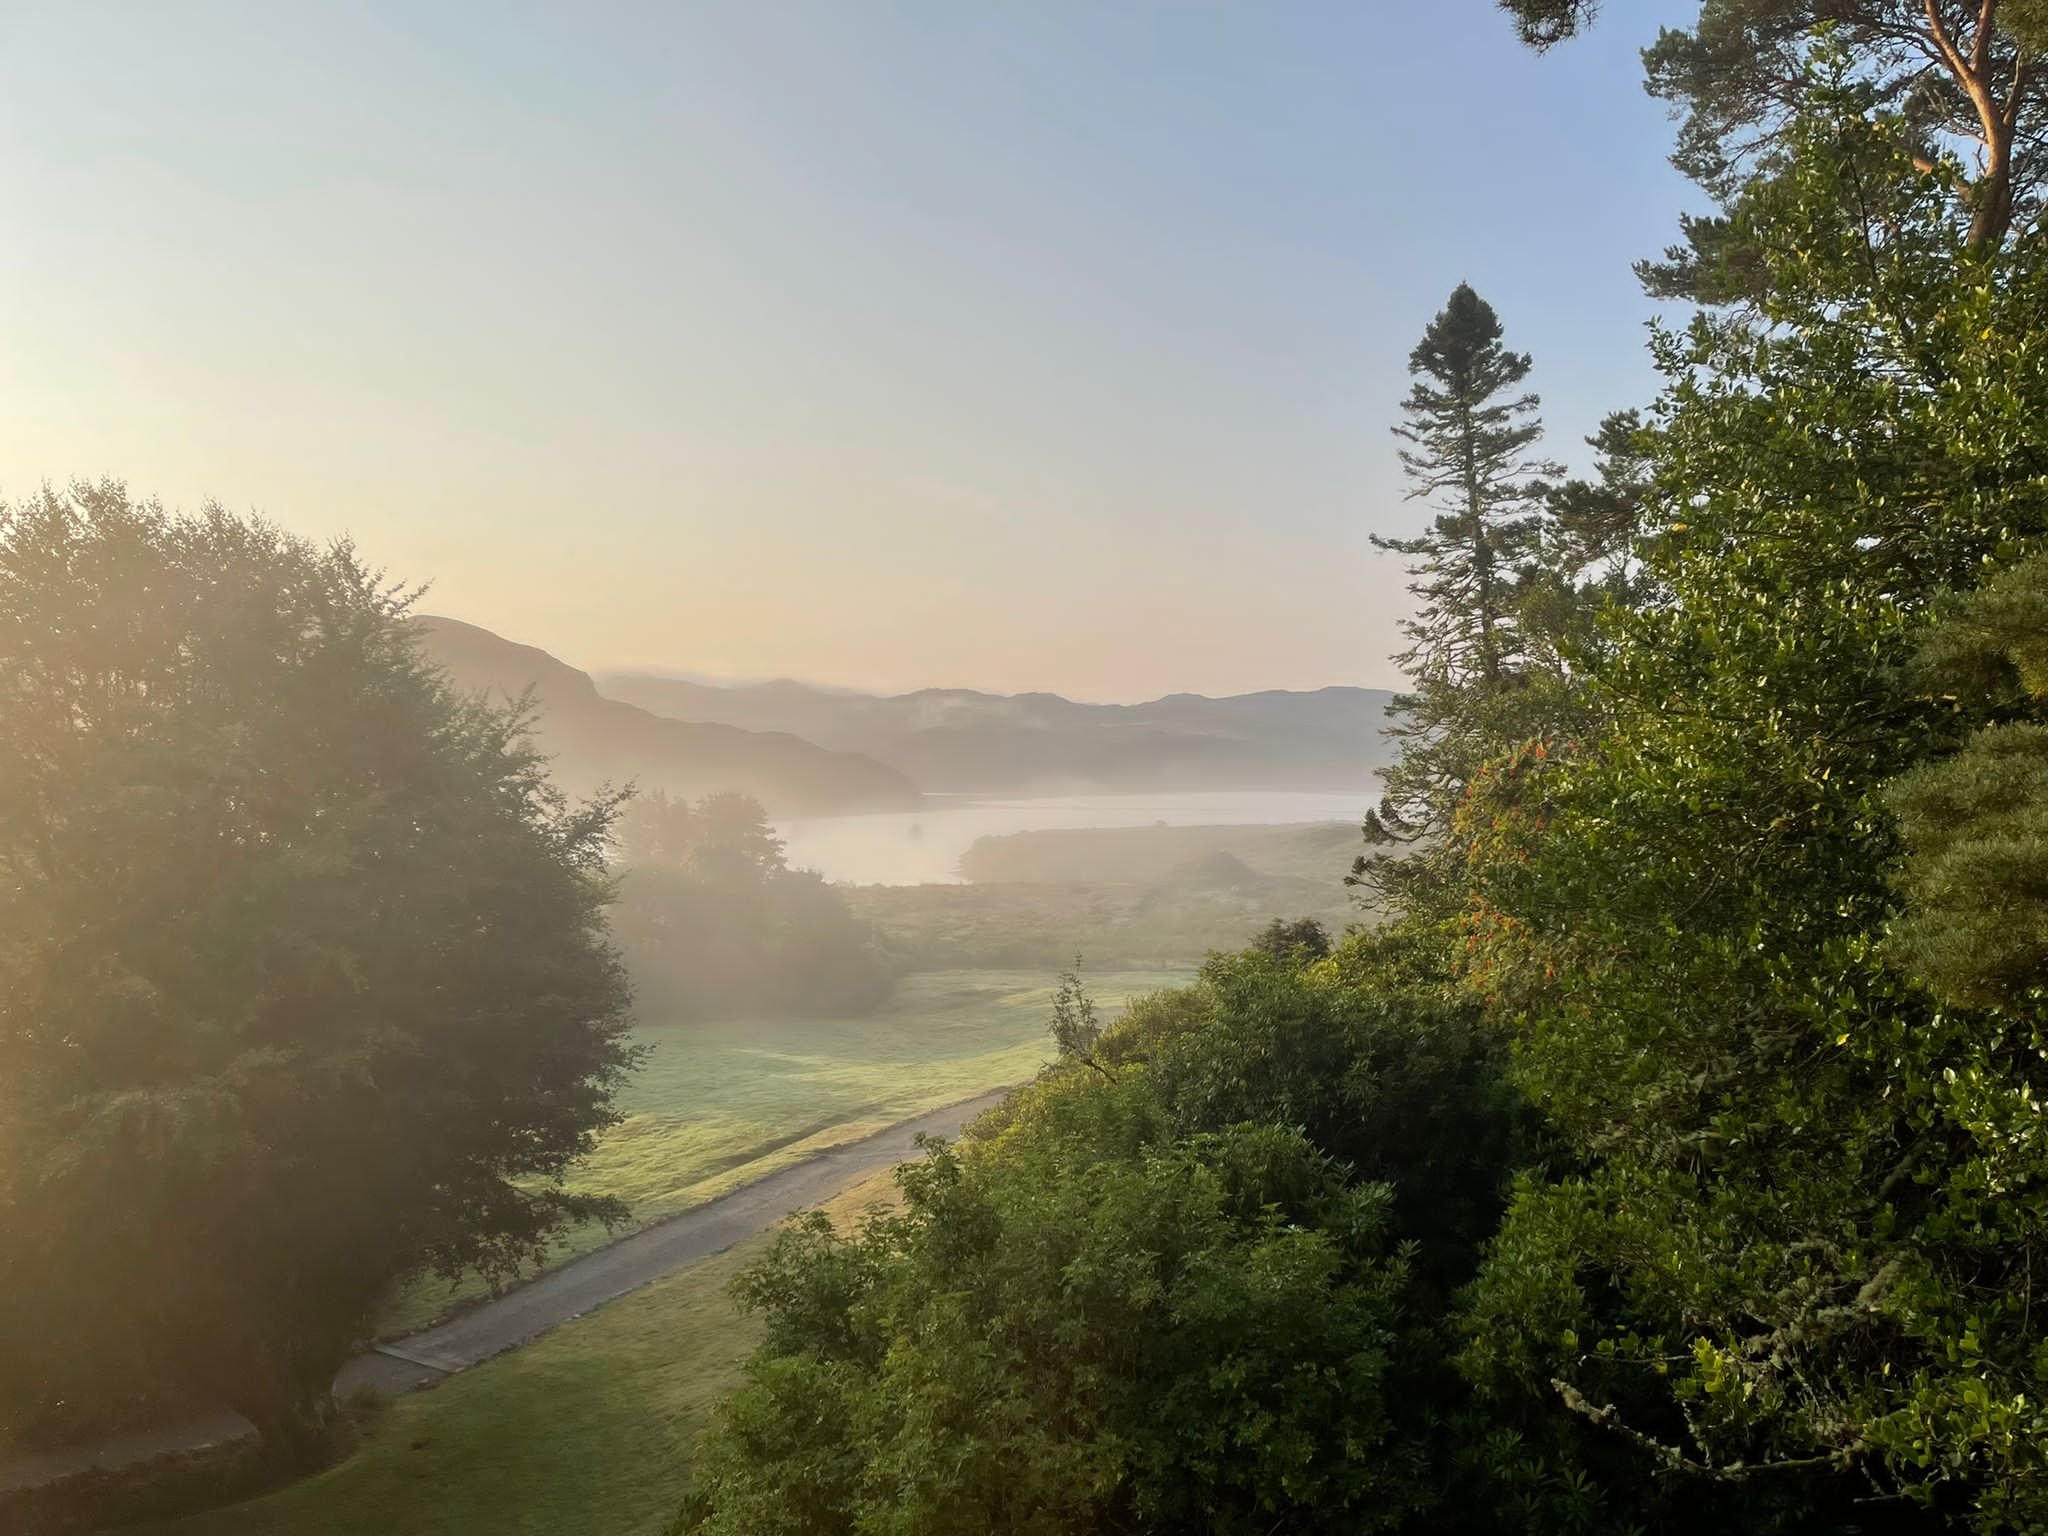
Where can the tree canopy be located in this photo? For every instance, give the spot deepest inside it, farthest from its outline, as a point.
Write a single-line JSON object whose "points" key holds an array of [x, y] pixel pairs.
{"points": [[1792, 1247], [1964, 78], [304, 985], [1696, 1084], [1169, 1287], [1469, 439]]}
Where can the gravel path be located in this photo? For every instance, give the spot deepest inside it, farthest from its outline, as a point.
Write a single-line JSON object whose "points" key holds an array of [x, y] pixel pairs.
{"points": [[546, 1302]]}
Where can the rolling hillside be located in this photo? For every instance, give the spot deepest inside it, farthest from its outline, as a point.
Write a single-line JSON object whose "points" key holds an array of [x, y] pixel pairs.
{"points": [[593, 739], [961, 741]]}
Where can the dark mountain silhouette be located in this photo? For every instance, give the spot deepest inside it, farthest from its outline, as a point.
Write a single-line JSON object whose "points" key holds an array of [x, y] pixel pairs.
{"points": [[593, 739], [958, 740]]}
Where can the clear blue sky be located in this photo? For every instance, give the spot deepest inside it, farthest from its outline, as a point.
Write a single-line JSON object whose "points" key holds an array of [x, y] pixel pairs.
{"points": [[1008, 343]]}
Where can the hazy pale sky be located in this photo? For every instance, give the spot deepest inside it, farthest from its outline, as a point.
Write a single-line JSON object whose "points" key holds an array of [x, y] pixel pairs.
{"points": [[1004, 343]]}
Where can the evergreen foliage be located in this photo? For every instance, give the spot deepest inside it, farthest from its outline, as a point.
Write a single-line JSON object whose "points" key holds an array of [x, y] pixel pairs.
{"points": [[1790, 1249], [1962, 78], [1471, 432], [1975, 881]]}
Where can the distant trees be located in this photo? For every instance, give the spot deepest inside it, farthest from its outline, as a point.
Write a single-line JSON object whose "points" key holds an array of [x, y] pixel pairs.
{"points": [[1301, 939], [716, 924], [304, 984], [724, 834]]}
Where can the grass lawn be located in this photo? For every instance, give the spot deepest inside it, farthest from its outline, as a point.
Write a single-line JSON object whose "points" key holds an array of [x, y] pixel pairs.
{"points": [[588, 1432], [719, 1105]]}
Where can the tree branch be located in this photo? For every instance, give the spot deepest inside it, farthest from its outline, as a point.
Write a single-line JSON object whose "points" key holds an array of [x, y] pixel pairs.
{"points": [[1675, 1460]]}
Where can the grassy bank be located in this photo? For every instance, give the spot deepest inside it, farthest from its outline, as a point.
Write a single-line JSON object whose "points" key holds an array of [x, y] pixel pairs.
{"points": [[588, 1432], [719, 1105]]}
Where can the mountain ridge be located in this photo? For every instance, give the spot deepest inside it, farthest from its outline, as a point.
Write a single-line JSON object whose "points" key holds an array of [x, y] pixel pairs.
{"points": [[965, 740], [591, 739]]}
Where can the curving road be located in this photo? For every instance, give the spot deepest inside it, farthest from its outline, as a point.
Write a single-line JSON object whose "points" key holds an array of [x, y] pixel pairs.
{"points": [[549, 1300]]}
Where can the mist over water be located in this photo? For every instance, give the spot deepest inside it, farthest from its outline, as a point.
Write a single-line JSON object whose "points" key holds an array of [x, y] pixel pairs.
{"points": [[923, 847]]}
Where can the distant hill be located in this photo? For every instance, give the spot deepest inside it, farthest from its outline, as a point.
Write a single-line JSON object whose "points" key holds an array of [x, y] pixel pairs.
{"points": [[593, 739], [958, 740]]}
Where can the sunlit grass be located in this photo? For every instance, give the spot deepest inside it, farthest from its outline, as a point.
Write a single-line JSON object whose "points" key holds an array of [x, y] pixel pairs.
{"points": [[719, 1105], [588, 1432]]}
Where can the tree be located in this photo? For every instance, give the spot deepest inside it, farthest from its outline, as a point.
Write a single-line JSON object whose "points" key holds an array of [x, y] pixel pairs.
{"points": [[1194, 1280], [654, 829], [304, 985], [1301, 939], [1974, 929], [728, 830], [733, 829], [716, 924], [1966, 77], [1592, 527], [1588, 560], [1788, 1253], [1075, 1027], [1471, 430], [1081, 1335]]}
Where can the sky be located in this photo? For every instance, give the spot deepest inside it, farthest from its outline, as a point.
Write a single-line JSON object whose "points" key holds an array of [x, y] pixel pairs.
{"points": [[1014, 344]]}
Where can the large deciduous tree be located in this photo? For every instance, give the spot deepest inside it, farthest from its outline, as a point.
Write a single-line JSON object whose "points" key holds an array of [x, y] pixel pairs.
{"points": [[304, 984]]}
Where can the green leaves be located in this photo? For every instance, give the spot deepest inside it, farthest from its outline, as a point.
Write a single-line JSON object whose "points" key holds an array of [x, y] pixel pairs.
{"points": [[1809, 1182], [1145, 1295], [303, 978]]}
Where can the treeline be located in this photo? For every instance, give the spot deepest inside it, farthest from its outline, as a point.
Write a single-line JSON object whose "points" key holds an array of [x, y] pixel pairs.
{"points": [[713, 922], [1673, 1159], [1135, 898]]}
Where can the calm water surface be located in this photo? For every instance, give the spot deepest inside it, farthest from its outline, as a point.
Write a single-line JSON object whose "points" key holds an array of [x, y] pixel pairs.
{"points": [[924, 846]]}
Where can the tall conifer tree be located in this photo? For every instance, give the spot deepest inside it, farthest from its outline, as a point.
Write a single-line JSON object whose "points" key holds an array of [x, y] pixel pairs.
{"points": [[1469, 437]]}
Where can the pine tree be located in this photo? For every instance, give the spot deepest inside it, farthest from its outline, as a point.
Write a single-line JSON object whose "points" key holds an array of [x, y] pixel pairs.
{"points": [[1471, 431], [1962, 78]]}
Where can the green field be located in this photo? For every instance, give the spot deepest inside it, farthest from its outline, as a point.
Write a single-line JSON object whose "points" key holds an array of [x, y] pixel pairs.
{"points": [[719, 1105], [1125, 897], [588, 1432], [1317, 853]]}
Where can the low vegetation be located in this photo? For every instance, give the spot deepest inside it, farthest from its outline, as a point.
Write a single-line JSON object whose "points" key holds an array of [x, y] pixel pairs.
{"points": [[589, 1432], [719, 1104]]}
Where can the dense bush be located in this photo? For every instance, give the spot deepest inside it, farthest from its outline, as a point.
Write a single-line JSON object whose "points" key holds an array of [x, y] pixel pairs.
{"points": [[1192, 1279]]}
